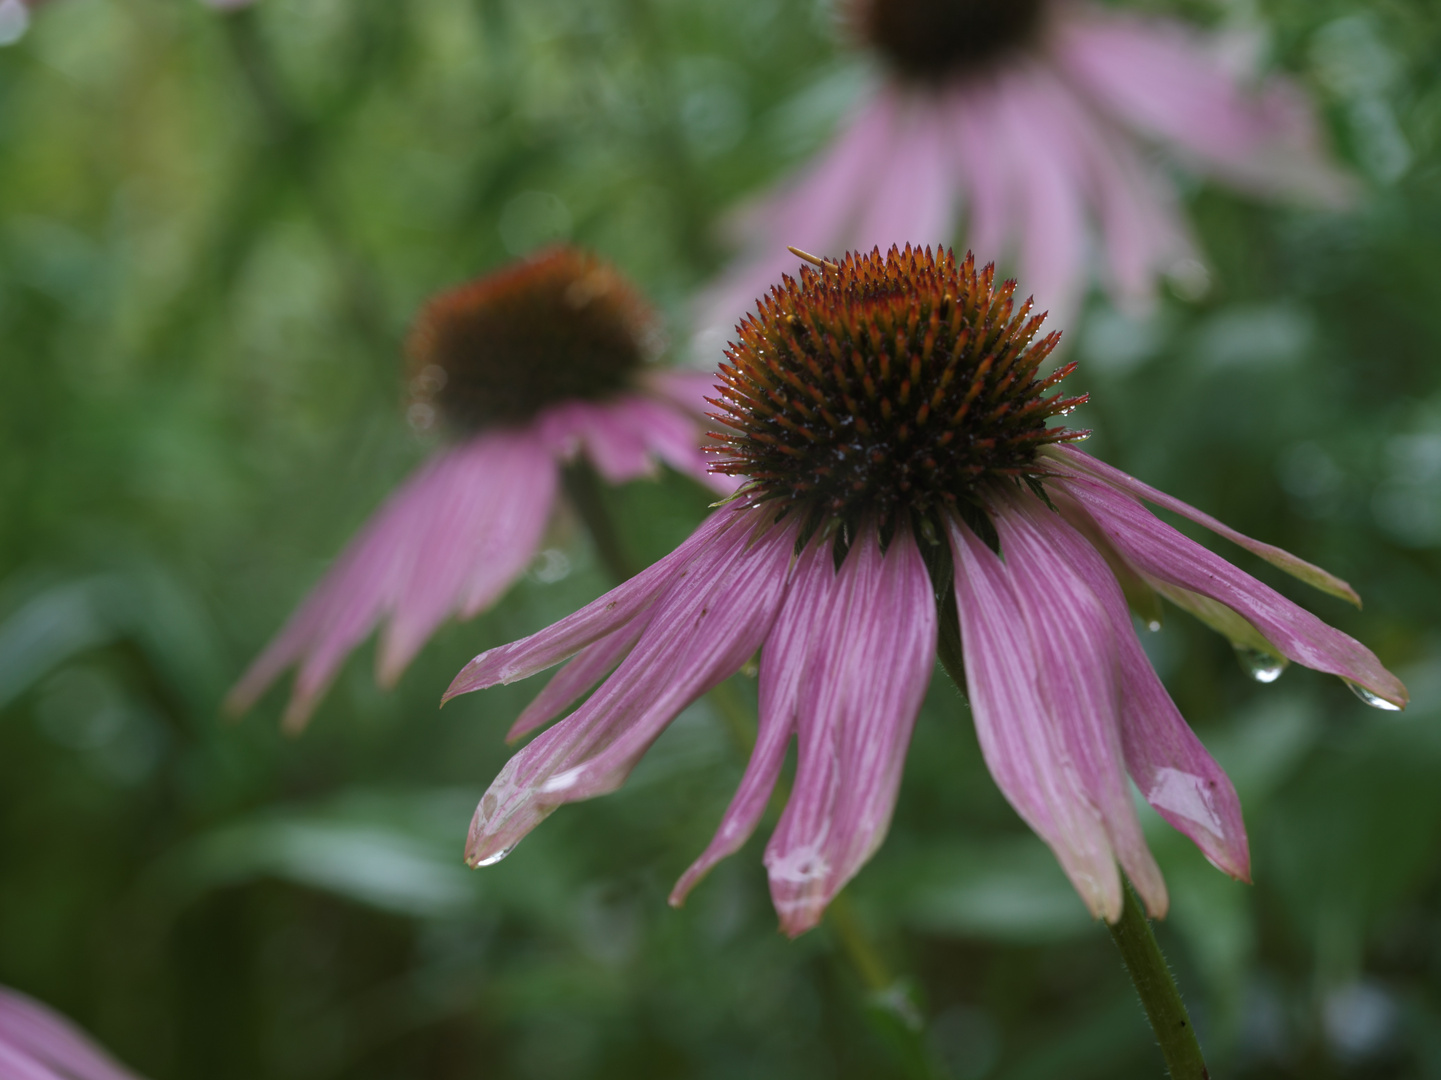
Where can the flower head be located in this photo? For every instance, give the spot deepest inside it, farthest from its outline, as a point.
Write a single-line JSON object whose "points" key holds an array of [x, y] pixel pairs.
{"points": [[1029, 128], [521, 370], [890, 419], [38, 1044]]}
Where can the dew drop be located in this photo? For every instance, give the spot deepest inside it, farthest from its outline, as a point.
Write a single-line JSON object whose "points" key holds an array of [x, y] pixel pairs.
{"points": [[1264, 667], [1154, 626], [491, 860], [1374, 700]]}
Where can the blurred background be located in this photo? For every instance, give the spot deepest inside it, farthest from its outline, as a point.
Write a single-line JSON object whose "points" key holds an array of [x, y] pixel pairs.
{"points": [[214, 229]]}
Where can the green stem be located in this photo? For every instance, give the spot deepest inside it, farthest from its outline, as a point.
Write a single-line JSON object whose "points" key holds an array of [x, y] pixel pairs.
{"points": [[585, 495], [1159, 996], [1132, 934]]}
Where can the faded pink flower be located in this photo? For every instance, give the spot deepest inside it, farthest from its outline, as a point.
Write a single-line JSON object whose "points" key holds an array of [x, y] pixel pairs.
{"points": [[1032, 120], [37, 1043], [903, 486], [531, 367]]}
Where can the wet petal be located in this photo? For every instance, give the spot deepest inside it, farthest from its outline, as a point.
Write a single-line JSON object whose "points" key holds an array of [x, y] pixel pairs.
{"points": [[709, 621], [1160, 552], [785, 658], [1084, 464], [1023, 744], [872, 662], [580, 673], [601, 617], [1168, 763], [1079, 668]]}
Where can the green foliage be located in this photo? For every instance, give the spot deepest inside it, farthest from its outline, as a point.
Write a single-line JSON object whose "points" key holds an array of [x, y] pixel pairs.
{"points": [[214, 229]]}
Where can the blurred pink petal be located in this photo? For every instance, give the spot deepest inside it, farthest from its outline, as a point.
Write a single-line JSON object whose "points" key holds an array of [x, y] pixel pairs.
{"points": [[1041, 145], [36, 1043]]}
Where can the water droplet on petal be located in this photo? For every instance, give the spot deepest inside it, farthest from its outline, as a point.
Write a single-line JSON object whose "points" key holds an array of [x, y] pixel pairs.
{"points": [[1374, 700], [1264, 667], [491, 860]]}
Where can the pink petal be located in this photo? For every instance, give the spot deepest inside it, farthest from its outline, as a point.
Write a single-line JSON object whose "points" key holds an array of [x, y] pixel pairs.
{"points": [[983, 167], [785, 658], [1162, 78], [1159, 551], [1024, 743], [914, 198], [1050, 209], [580, 673], [36, 1042], [476, 532], [710, 620], [451, 537], [1170, 766], [1084, 464], [1140, 223], [874, 652], [812, 213], [520, 659], [1079, 669], [614, 445]]}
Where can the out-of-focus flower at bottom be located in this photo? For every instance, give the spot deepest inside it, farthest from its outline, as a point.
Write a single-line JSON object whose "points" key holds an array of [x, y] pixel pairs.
{"points": [[890, 422], [37, 1043], [527, 369]]}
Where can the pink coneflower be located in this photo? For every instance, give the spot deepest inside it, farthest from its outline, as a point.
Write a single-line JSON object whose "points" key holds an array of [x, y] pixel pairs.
{"points": [[1034, 120], [526, 369], [889, 419], [39, 1044]]}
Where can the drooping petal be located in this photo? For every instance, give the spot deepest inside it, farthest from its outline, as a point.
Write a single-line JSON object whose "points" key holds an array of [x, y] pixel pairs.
{"points": [[812, 214], [1161, 552], [873, 657], [914, 198], [1084, 464], [1023, 744], [1170, 766], [580, 673], [1161, 78], [712, 617], [451, 538], [37, 1043], [488, 515], [1079, 669], [982, 168], [785, 658], [612, 444], [1051, 210], [603, 616]]}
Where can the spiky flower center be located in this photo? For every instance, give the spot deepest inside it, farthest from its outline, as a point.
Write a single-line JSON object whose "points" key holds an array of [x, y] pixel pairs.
{"points": [[560, 325], [892, 385], [933, 39]]}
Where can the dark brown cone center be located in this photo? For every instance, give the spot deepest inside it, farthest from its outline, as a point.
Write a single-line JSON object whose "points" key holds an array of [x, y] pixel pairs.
{"points": [[930, 40], [562, 325]]}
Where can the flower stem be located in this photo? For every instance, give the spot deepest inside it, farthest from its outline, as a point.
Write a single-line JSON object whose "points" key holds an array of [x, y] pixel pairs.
{"points": [[585, 495], [1157, 989], [1132, 934]]}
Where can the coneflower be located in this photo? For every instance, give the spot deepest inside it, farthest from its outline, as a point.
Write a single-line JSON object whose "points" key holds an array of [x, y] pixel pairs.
{"points": [[903, 484], [1031, 124], [530, 367]]}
